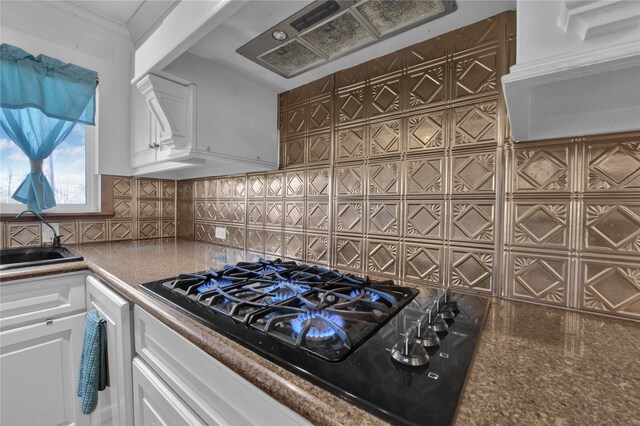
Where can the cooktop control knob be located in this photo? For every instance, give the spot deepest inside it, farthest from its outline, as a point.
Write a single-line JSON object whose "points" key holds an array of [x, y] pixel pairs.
{"points": [[435, 322], [409, 352], [450, 303], [444, 310], [425, 336]]}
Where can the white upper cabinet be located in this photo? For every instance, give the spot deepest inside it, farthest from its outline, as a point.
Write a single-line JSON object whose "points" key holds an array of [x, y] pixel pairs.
{"points": [[577, 69]]}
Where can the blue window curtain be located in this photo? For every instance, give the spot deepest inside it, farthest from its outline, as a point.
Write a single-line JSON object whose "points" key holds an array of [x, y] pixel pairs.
{"points": [[41, 99]]}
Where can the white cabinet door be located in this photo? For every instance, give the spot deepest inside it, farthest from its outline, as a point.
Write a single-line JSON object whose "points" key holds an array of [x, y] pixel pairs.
{"points": [[155, 403], [115, 402], [144, 132], [39, 365]]}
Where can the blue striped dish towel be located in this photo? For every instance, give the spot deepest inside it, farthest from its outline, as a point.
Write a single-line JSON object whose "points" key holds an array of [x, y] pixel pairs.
{"points": [[93, 362]]}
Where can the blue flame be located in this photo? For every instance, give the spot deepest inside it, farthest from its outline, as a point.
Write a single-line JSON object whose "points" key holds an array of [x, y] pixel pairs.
{"points": [[372, 296], [283, 290], [211, 284], [319, 329]]}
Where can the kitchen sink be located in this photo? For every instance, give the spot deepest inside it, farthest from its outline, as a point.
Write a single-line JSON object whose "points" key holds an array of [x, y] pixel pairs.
{"points": [[24, 257]]}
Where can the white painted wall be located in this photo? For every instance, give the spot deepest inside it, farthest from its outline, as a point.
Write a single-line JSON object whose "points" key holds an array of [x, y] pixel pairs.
{"points": [[68, 34]]}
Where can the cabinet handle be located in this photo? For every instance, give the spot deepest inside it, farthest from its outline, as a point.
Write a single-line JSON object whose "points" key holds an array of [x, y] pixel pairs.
{"points": [[150, 146], [156, 145]]}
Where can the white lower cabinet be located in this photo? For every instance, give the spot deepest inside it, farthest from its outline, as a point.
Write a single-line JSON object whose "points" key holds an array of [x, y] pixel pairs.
{"points": [[210, 389], [42, 328], [39, 372], [155, 403]]}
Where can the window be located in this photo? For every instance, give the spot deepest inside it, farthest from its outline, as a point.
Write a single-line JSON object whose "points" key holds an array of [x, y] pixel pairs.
{"points": [[70, 171]]}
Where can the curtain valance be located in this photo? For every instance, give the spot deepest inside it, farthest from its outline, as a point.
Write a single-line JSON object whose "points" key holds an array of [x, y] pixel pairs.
{"points": [[60, 90]]}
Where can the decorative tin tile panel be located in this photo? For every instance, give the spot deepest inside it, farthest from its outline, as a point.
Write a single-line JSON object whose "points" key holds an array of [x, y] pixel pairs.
{"points": [[275, 185], [317, 182], [168, 229], [168, 209], [318, 148], [295, 184], [294, 244], [384, 138], [426, 85], [317, 248], [473, 173], [92, 232], [317, 215], [426, 132], [148, 229], [611, 287], [296, 119], [255, 240], [348, 253], [19, 234], [472, 220], [477, 34], [424, 176], [148, 188], [349, 216], [383, 218], [239, 187], [350, 180], [238, 209], [256, 186], [148, 209], [423, 220], [613, 166], [475, 74], [255, 213], [350, 105], [122, 187], [538, 278], [119, 231], [200, 189], [294, 151], [475, 124], [319, 115], [542, 169], [385, 96], [471, 269], [382, 257], [422, 263], [350, 144], [384, 179], [68, 233], [425, 51], [273, 213], [610, 226], [224, 188], [540, 224], [168, 189], [121, 208], [294, 214], [273, 242]]}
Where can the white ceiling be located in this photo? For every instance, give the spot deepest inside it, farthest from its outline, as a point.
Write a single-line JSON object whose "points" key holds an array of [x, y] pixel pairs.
{"points": [[219, 46], [118, 10]]}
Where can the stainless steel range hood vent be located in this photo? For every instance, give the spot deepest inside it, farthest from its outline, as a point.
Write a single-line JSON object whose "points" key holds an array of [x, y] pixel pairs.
{"points": [[327, 30]]}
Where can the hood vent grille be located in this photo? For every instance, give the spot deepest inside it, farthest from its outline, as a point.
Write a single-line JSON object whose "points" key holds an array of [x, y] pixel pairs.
{"points": [[327, 30]]}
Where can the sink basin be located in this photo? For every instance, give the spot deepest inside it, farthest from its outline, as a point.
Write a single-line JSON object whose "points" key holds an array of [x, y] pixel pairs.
{"points": [[24, 257]]}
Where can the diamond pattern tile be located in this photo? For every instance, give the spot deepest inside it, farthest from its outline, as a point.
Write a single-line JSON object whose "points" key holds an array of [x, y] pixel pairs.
{"points": [[423, 220], [317, 215], [319, 115], [422, 263], [425, 132], [385, 96], [350, 144], [473, 173], [383, 218], [472, 270], [348, 253], [148, 188], [122, 187], [541, 279], [540, 224], [317, 182], [426, 86], [23, 235], [273, 242], [296, 120], [294, 151], [613, 227], [273, 214], [294, 214], [275, 186], [92, 232], [295, 184], [349, 180], [382, 258], [472, 221], [148, 209], [255, 213], [383, 178], [612, 288], [476, 74], [424, 176], [475, 124], [317, 248], [349, 217], [318, 148], [544, 169], [384, 138], [256, 186], [121, 208], [294, 244], [351, 106], [613, 166]]}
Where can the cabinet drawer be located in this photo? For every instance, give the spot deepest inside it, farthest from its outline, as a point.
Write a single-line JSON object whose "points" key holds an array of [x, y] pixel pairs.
{"points": [[213, 391], [32, 300], [155, 403]]}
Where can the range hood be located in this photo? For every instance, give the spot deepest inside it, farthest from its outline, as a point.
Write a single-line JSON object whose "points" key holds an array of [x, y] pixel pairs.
{"points": [[327, 30]]}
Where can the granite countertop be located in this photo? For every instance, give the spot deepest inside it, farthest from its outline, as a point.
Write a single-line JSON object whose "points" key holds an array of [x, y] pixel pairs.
{"points": [[533, 364]]}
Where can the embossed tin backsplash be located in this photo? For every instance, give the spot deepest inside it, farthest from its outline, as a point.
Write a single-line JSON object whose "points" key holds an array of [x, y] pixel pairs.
{"points": [[402, 167], [142, 209]]}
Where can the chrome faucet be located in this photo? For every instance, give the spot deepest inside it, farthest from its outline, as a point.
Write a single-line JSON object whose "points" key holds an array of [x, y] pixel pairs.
{"points": [[56, 237]]}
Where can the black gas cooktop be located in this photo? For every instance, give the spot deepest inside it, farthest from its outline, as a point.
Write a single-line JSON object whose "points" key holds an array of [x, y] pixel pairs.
{"points": [[401, 353]]}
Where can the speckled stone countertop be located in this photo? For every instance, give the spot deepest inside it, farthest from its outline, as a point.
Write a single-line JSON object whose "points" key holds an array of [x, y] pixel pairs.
{"points": [[533, 365]]}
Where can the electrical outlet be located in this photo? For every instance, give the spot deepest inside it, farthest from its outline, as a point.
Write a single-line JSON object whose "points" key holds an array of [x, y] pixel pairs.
{"points": [[47, 234], [221, 232]]}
